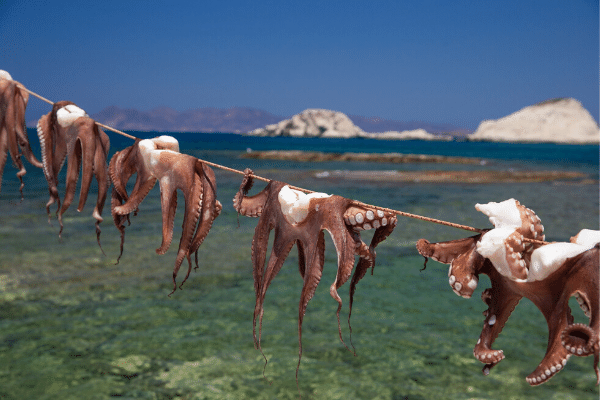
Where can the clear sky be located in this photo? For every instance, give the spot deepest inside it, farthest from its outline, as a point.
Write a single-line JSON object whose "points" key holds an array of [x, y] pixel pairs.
{"points": [[456, 62]]}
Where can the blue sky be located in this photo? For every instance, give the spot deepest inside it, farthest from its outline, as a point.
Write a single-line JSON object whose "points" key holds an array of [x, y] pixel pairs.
{"points": [[456, 62]]}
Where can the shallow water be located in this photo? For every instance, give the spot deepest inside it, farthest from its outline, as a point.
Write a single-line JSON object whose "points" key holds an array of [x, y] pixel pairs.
{"points": [[75, 325]]}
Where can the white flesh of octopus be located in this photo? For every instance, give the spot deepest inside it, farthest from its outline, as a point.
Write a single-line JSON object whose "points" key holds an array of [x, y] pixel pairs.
{"points": [[492, 247], [68, 114], [5, 75], [502, 214], [295, 204], [547, 259]]}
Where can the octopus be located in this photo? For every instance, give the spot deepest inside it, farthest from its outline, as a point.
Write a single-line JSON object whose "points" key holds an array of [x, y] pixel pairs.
{"points": [[159, 159], [301, 219], [548, 275], [13, 134], [67, 133]]}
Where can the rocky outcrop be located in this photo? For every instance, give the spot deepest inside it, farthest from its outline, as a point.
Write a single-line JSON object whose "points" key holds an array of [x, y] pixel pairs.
{"points": [[334, 124], [558, 121], [313, 123]]}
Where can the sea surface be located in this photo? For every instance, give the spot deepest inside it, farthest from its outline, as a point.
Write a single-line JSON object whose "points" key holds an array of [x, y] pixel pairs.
{"points": [[76, 325]]}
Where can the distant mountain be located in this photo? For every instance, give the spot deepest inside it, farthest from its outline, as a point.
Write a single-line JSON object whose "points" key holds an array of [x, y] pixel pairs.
{"points": [[229, 120], [236, 120]]}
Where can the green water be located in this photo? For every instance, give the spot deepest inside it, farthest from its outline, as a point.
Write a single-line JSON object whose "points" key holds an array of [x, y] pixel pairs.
{"points": [[75, 326]]}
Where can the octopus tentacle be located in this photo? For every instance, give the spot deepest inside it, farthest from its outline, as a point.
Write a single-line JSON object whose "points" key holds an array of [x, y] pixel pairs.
{"points": [[88, 142], [367, 260], [245, 186], [217, 211], [514, 248], [122, 167], [260, 242], [211, 208], [556, 354], [445, 252], [501, 303], [359, 217], [118, 220], [344, 246], [3, 154], [22, 97], [13, 147], [312, 274], [101, 173], [44, 130], [249, 206], [273, 267], [139, 192], [579, 339], [168, 202], [72, 176], [193, 204]]}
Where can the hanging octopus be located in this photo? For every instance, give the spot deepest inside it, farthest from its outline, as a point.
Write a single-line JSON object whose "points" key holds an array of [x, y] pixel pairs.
{"points": [[549, 275], [68, 133], [300, 219], [13, 134], [159, 160]]}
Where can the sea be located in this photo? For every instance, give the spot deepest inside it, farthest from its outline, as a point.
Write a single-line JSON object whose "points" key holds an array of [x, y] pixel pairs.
{"points": [[75, 324]]}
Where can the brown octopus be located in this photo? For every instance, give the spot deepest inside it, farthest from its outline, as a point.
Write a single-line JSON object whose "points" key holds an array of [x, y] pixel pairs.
{"points": [[549, 285], [159, 159], [67, 133], [302, 222], [13, 134]]}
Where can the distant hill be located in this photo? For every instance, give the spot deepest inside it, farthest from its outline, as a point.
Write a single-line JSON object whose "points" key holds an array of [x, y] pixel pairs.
{"points": [[164, 119], [236, 120]]}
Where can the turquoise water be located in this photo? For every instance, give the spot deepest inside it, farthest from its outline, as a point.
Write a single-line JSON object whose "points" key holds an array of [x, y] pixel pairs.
{"points": [[75, 325]]}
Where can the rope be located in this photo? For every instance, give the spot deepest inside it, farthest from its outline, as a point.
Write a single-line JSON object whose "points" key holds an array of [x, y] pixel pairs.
{"points": [[390, 210]]}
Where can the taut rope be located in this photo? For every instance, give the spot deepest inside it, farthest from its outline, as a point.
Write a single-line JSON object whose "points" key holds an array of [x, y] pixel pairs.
{"points": [[390, 210]]}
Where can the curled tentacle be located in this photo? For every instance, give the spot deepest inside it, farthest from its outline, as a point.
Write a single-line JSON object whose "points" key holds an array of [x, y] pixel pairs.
{"points": [[579, 340], [249, 206]]}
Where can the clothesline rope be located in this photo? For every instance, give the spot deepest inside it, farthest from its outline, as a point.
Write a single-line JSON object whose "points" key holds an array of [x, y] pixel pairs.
{"points": [[390, 210]]}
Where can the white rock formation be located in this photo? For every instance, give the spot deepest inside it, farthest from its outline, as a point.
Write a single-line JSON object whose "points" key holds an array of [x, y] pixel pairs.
{"points": [[557, 121], [313, 123], [334, 124]]}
